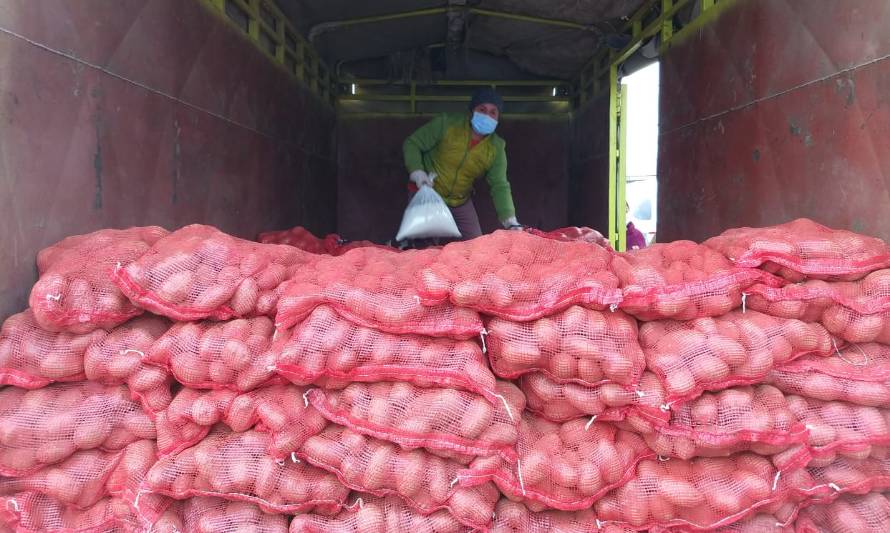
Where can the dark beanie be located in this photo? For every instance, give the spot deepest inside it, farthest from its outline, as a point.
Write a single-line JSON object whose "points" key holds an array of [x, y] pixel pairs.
{"points": [[486, 95]]}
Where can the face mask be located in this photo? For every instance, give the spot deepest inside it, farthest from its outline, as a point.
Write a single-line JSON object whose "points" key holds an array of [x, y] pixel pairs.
{"points": [[483, 124]]}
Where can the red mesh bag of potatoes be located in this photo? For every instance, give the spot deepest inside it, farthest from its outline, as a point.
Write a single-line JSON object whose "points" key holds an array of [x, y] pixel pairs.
{"points": [[681, 280], [802, 249], [703, 493], [576, 345], [203, 514], [517, 276], [236, 467], [561, 402], [327, 349], [858, 373], [438, 419], [372, 514], [841, 476], [374, 288], [234, 355], [569, 466], [279, 410], [75, 291], [572, 234], [425, 481], [808, 301], [44, 426], [31, 357], [868, 513], [739, 348], [298, 237], [514, 517], [117, 358], [718, 424], [199, 272]]}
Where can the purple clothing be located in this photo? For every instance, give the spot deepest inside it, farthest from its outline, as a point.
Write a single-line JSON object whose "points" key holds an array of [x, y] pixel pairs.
{"points": [[635, 238]]}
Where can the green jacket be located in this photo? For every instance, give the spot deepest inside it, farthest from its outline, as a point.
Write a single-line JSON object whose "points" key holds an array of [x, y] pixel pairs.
{"points": [[442, 146]]}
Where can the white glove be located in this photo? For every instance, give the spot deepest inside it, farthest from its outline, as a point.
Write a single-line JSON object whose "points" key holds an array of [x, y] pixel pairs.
{"points": [[421, 178], [511, 223]]}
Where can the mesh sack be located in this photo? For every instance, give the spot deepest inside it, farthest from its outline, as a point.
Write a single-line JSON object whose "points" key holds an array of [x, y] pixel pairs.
{"points": [[327, 349], [45, 426], [199, 272], [856, 327], [569, 466], [857, 374], [571, 234], [75, 291], [803, 249], [279, 410], [702, 493], [807, 301], [514, 517], [869, 513], [31, 357], [839, 428], [722, 423], [371, 514], [117, 358], [234, 355], [340, 248], [236, 467], [761, 523], [681, 280], [413, 417], [577, 345], [739, 348], [374, 288], [561, 402], [215, 515], [842, 476], [517, 276], [298, 237], [425, 481]]}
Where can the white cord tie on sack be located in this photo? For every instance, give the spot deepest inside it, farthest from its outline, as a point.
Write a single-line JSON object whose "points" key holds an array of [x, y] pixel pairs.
{"points": [[590, 422], [744, 302], [482, 335], [519, 473], [835, 487], [506, 406], [54, 297], [665, 407], [358, 501], [306, 397], [776, 480], [663, 458], [280, 462], [640, 394], [613, 307], [131, 350], [599, 525], [15, 504], [293, 457], [454, 481], [844, 359]]}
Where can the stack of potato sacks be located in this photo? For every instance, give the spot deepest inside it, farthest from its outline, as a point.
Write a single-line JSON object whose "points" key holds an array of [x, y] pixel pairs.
{"points": [[193, 381]]}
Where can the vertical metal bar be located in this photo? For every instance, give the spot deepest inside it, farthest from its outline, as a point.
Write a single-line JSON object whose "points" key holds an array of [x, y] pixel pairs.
{"points": [[280, 48], [613, 156], [706, 5], [413, 96], [219, 4], [300, 54], [667, 27], [253, 22], [621, 200]]}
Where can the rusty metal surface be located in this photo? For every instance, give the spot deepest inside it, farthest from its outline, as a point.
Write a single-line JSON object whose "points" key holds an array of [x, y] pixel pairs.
{"points": [[147, 112], [777, 110], [372, 179]]}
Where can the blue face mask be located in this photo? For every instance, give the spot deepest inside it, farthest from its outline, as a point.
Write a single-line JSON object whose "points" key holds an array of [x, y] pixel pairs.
{"points": [[483, 124]]}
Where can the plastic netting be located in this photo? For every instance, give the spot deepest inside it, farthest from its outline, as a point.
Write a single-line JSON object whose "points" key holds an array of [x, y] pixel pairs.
{"points": [[577, 345], [208, 355], [374, 288], [853, 326], [561, 402], [722, 423], [869, 513], [697, 494], [87, 476], [427, 482], [117, 358], [514, 517], [237, 467], [75, 291], [45, 426], [857, 374], [739, 348], [327, 349], [31, 357], [517, 276], [808, 300], [843, 475], [301, 238], [279, 410], [215, 515], [371, 514], [571, 465], [681, 280], [803, 249], [199, 272], [571, 234], [412, 416]]}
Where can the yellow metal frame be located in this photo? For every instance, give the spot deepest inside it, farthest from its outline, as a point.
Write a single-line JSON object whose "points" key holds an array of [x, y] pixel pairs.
{"points": [[291, 51]]}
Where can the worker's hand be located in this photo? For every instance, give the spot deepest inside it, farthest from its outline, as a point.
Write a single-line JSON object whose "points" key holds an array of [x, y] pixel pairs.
{"points": [[511, 223], [421, 178]]}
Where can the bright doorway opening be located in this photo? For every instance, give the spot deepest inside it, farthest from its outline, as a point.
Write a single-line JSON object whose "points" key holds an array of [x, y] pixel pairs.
{"points": [[641, 149]]}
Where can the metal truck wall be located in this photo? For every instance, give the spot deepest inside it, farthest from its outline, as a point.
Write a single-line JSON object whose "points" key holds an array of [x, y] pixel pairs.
{"points": [[589, 185], [137, 112], [372, 191], [776, 110]]}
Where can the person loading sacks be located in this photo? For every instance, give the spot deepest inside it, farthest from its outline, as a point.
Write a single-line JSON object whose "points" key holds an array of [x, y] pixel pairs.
{"points": [[454, 150]]}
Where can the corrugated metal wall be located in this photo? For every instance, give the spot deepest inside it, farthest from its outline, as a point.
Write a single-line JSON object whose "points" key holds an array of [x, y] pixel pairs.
{"points": [[138, 112], [777, 110]]}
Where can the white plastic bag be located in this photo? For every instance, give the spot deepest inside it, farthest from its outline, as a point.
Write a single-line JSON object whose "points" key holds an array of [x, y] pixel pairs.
{"points": [[427, 216]]}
